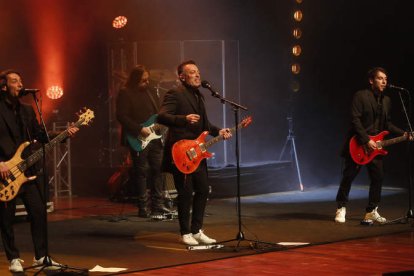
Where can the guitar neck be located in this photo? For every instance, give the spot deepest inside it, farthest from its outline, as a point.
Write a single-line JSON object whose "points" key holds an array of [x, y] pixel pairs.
{"points": [[220, 137], [394, 141], [32, 159]]}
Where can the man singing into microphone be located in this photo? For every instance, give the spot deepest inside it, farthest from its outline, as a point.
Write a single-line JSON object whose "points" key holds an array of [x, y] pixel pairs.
{"points": [[18, 124], [184, 112], [370, 112]]}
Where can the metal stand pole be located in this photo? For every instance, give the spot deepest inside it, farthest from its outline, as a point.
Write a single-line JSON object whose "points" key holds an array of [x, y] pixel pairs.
{"points": [[293, 154]]}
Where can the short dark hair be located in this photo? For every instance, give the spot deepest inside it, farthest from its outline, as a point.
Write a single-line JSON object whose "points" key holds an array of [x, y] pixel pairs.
{"points": [[4, 74], [135, 76], [372, 73], [180, 68]]}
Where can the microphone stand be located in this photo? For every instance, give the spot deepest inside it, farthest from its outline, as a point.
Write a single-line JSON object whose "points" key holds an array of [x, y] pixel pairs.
{"points": [[410, 213], [47, 261], [240, 235]]}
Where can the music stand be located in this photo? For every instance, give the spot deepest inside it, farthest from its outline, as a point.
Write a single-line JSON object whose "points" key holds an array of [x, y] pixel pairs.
{"points": [[240, 235], [47, 261]]}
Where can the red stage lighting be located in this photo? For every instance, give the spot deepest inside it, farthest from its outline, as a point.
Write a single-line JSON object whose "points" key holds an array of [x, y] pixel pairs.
{"points": [[119, 22], [54, 92]]}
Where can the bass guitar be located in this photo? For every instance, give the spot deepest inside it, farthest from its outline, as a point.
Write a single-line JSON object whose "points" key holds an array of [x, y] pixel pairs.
{"points": [[361, 155], [10, 186], [187, 154], [157, 131]]}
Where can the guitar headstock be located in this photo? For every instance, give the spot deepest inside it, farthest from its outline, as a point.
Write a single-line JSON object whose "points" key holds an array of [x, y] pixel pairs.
{"points": [[85, 116], [246, 121]]}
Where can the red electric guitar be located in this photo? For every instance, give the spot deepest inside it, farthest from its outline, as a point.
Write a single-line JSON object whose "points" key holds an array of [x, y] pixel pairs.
{"points": [[187, 154], [361, 155]]}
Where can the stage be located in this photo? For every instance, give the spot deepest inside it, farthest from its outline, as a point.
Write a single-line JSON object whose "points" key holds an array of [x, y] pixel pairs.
{"points": [[85, 232]]}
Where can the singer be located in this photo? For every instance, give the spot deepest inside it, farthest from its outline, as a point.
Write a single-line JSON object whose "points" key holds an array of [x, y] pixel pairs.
{"points": [[370, 114], [184, 112], [18, 124]]}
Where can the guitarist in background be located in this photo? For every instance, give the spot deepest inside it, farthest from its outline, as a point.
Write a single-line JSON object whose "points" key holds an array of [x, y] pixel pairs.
{"points": [[370, 112], [18, 123], [183, 111], [135, 104]]}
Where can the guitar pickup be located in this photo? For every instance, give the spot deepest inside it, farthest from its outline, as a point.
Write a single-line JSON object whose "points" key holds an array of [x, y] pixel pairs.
{"points": [[191, 153], [202, 147]]}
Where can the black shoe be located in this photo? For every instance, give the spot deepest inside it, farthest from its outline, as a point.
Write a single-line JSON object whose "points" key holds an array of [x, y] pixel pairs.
{"points": [[143, 213]]}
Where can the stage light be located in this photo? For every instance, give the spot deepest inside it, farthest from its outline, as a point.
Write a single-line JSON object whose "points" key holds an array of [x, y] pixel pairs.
{"points": [[296, 50], [297, 33], [299, 1], [296, 68], [54, 92], [298, 15], [119, 22], [295, 86]]}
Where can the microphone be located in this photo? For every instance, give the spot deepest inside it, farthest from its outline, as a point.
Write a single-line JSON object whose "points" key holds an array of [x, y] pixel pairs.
{"points": [[207, 85], [26, 91], [396, 87]]}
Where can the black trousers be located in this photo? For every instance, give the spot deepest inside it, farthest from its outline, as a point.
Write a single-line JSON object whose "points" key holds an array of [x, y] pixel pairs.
{"points": [[146, 168], [193, 193], [30, 194], [350, 171]]}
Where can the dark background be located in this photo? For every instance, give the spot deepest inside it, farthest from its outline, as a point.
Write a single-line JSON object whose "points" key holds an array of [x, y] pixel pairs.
{"points": [[341, 41]]}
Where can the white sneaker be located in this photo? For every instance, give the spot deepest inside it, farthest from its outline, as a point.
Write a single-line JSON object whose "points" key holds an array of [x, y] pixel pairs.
{"points": [[16, 265], [373, 216], [54, 265], [188, 239], [202, 238], [340, 215]]}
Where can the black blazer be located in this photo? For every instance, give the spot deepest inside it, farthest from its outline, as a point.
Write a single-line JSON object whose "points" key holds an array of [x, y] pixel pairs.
{"points": [[177, 104], [364, 107], [10, 136]]}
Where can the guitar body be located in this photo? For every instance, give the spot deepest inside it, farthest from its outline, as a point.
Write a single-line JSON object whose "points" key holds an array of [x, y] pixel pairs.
{"points": [[10, 186], [360, 155], [140, 143], [187, 154]]}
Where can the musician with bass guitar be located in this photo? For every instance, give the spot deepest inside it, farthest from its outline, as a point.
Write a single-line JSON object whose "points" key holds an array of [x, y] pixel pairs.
{"points": [[370, 114], [184, 112], [136, 109], [18, 124]]}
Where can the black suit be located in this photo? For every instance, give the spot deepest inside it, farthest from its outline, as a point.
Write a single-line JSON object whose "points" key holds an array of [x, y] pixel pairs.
{"points": [[370, 114], [178, 103], [19, 124]]}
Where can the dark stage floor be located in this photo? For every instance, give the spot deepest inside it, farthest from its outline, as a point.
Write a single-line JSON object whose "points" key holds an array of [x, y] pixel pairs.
{"points": [[85, 232]]}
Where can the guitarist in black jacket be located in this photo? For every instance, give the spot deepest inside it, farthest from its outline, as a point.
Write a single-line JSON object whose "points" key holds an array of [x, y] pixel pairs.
{"points": [[370, 112], [136, 103], [18, 123], [184, 112]]}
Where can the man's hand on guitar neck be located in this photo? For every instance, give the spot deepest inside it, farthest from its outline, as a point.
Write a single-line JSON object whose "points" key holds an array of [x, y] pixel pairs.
{"points": [[409, 135], [72, 129], [226, 133], [4, 170]]}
